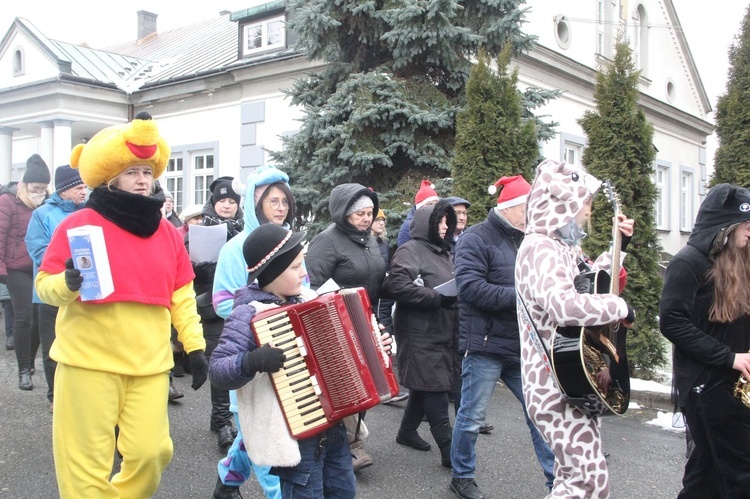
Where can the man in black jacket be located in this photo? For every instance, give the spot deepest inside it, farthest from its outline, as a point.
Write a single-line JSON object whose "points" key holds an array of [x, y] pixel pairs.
{"points": [[485, 263]]}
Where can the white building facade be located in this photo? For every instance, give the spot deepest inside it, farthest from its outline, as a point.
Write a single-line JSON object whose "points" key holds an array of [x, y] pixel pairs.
{"points": [[222, 110]]}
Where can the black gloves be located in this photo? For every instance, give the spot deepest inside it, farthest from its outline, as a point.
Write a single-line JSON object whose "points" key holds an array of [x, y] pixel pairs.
{"points": [[199, 368], [630, 319], [73, 278], [204, 272], [447, 301], [266, 359]]}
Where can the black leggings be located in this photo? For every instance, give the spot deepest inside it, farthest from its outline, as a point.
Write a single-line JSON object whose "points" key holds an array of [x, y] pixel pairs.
{"points": [[20, 285], [432, 404]]}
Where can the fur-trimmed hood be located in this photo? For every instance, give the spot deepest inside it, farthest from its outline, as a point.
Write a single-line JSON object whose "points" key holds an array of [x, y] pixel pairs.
{"points": [[424, 225]]}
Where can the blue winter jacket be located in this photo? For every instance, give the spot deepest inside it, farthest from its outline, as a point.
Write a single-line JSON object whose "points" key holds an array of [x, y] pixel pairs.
{"points": [[44, 221], [403, 233], [485, 277]]}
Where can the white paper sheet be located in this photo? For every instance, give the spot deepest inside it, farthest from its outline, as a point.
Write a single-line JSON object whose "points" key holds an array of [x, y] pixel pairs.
{"points": [[205, 242], [448, 288]]}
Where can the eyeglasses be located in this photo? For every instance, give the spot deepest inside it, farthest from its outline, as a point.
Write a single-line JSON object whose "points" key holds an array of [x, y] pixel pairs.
{"points": [[380, 219], [275, 203], [461, 213]]}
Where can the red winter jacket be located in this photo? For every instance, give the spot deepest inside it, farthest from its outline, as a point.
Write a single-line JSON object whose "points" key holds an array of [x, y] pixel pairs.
{"points": [[14, 220]]}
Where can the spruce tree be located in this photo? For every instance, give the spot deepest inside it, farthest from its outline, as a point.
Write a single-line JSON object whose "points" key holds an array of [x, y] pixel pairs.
{"points": [[382, 110], [492, 137], [732, 158], [620, 148]]}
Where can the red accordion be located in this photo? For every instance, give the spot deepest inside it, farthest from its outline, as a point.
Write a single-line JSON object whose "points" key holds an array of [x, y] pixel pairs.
{"points": [[335, 363]]}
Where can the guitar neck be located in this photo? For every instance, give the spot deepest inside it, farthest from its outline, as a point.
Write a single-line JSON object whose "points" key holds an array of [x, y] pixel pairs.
{"points": [[616, 245]]}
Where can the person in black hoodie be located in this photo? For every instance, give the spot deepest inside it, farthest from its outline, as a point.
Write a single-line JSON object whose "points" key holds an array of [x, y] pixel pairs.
{"points": [[348, 253], [704, 312], [425, 323]]}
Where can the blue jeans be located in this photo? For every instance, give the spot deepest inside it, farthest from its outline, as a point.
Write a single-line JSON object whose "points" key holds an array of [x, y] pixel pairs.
{"points": [[324, 471], [480, 375]]}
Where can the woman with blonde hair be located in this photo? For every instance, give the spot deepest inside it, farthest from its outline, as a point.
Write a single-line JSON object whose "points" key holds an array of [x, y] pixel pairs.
{"points": [[16, 267]]}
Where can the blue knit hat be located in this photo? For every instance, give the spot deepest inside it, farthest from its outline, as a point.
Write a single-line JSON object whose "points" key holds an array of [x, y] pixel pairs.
{"points": [[66, 178]]}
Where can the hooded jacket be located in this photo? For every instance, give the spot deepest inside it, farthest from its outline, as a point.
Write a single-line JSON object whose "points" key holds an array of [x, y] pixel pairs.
{"points": [[704, 350], [44, 221], [14, 220], [231, 269], [547, 266], [424, 329], [485, 258], [349, 256]]}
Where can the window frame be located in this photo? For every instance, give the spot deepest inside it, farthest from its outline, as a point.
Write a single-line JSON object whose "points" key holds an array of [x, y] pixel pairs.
{"points": [[687, 198], [264, 34], [194, 191], [664, 195]]}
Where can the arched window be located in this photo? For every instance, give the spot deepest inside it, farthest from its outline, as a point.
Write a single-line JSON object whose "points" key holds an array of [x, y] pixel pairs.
{"points": [[19, 62], [640, 39]]}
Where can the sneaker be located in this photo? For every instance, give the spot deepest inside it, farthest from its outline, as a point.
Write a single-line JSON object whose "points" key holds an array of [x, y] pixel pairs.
{"points": [[466, 488], [402, 395], [486, 428], [174, 393]]}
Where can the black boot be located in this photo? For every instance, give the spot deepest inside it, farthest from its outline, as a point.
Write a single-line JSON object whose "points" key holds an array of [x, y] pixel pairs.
{"points": [[443, 435], [24, 380], [222, 491], [407, 433]]}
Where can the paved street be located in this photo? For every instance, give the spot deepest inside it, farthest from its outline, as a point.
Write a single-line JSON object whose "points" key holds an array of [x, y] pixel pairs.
{"points": [[645, 462]]}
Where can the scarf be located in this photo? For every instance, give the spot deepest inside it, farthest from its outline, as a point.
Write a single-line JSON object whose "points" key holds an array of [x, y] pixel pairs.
{"points": [[135, 213]]}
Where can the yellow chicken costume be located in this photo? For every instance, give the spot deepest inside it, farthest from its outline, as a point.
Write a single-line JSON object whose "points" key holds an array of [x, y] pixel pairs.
{"points": [[114, 353]]}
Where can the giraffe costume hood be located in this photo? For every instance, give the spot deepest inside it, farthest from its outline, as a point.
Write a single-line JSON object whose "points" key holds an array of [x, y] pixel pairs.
{"points": [[559, 192]]}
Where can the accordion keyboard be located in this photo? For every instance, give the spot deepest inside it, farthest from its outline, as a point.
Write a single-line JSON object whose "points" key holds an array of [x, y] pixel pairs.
{"points": [[297, 389]]}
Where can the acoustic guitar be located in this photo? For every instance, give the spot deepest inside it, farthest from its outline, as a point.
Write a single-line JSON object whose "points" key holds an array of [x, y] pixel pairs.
{"points": [[590, 363]]}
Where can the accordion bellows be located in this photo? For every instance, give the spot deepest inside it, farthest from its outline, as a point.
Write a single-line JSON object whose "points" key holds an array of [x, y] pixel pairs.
{"points": [[335, 363]]}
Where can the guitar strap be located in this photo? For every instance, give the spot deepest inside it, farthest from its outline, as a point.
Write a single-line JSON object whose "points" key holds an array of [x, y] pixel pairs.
{"points": [[531, 330]]}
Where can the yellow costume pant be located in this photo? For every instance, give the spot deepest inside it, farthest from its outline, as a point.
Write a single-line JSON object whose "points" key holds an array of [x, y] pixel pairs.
{"points": [[87, 406]]}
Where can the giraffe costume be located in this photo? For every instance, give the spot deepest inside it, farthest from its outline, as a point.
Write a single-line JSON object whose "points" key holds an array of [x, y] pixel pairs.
{"points": [[545, 268]]}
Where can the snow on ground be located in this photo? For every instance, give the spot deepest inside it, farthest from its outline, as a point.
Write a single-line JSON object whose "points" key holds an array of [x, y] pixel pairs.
{"points": [[665, 420], [640, 385]]}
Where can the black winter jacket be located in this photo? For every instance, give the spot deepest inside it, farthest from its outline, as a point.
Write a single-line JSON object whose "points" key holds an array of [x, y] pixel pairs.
{"points": [[704, 350], [424, 328], [350, 256], [485, 260]]}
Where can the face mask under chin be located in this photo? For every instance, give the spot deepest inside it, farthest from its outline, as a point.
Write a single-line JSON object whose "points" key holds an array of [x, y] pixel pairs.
{"points": [[571, 233]]}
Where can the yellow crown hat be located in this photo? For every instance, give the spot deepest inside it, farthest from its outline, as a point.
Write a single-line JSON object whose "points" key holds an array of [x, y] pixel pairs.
{"points": [[117, 148]]}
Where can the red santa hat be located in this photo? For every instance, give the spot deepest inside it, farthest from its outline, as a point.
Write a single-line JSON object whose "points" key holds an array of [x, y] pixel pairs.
{"points": [[425, 194], [515, 190]]}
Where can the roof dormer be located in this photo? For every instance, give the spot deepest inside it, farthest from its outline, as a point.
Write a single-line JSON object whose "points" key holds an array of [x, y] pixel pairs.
{"points": [[262, 29]]}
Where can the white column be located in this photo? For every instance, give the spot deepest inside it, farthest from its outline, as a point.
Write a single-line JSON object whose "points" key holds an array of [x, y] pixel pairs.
{"points": [[47, 142], [6, 153], [62, 143]]}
